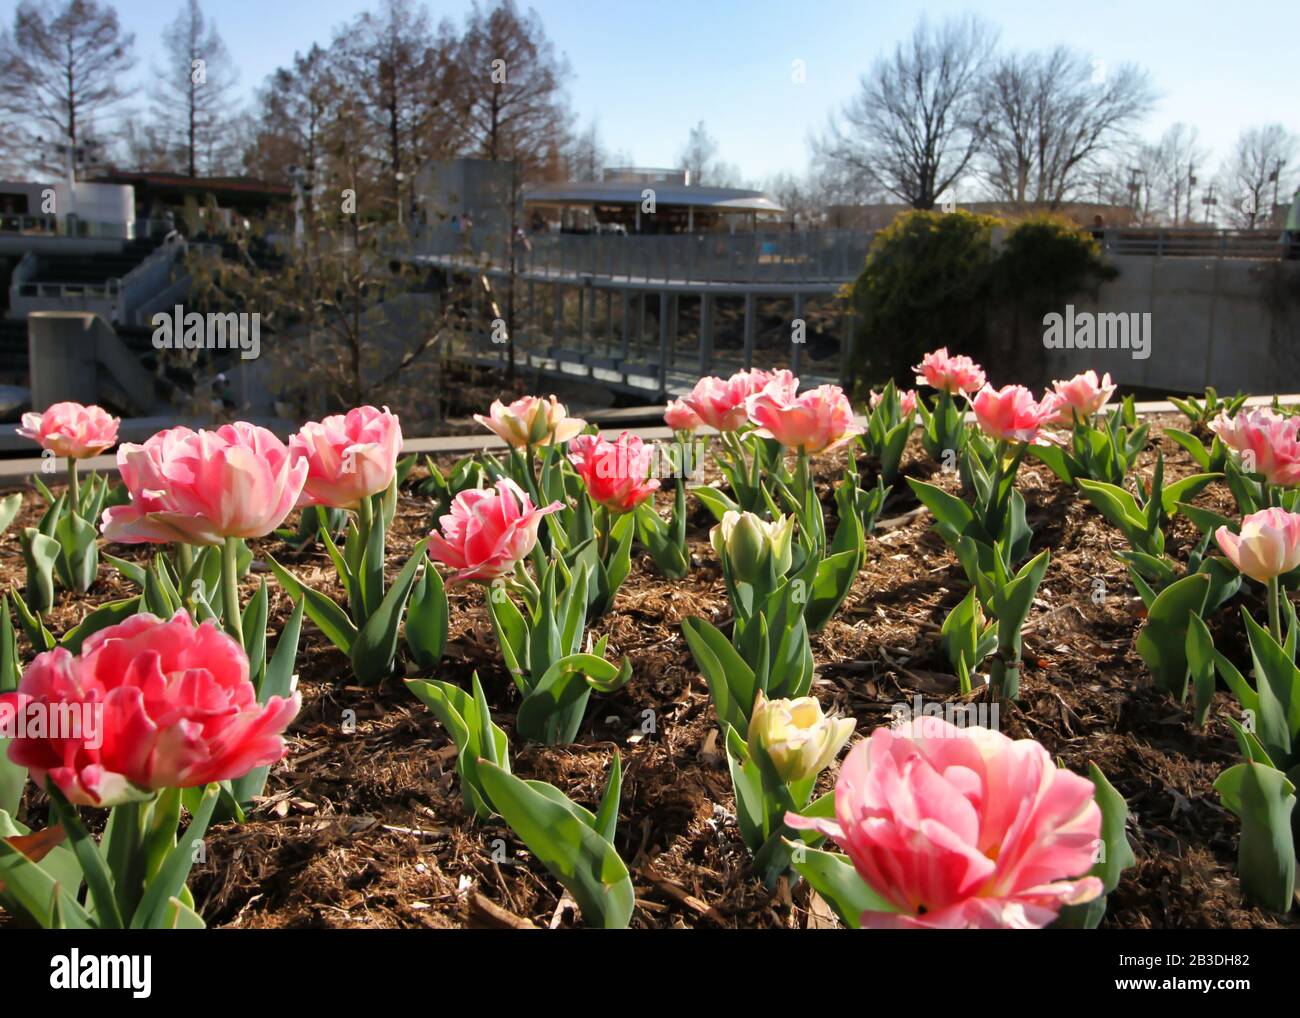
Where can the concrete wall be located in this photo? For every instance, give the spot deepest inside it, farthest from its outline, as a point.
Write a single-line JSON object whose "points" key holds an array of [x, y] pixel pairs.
{"points": [[18, 244], [1233, 323]]}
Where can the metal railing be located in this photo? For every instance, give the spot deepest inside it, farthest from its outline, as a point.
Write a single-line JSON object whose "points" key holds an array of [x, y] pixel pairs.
{"points": [[780, 256], [66, 226], [108, 289], [40, 225], [1195, 242], [783, 257]]}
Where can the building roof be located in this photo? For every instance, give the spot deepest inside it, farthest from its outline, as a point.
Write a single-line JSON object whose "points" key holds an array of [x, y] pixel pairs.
{"points": [[182, 182], [622, 192]]}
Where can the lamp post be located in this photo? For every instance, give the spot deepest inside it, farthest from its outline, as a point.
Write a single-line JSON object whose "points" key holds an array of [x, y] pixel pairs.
{"points": [[1275, 178], [1135, 190]]}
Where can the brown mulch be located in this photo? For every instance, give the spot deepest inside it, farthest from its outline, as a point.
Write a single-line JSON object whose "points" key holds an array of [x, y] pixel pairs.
{"points": [[362, 824]]}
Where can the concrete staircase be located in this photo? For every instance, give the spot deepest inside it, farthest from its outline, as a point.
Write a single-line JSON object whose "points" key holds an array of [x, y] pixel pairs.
{"points": [[91, 271]]}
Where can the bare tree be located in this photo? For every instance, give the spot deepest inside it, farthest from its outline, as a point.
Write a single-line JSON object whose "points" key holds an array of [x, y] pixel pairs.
{"points": [[60, 68], [510, 88], [1144, 181], [585, 156], [836, 184], [1179, 154], [295, 109], [347, 325], [915, 125], [193, 90], [145, 146], [1257, 174], [699, 154], [1050, 117], [699, 157], [797, 195], [387, 60]]}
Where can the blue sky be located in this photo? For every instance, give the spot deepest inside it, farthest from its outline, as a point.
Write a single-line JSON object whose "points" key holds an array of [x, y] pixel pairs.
{"points": [[646, 72]]}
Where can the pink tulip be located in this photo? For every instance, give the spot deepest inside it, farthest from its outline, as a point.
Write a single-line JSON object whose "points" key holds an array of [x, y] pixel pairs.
{"points": [[531, 421], [349, 456], [164, 704], [721, 404], [949, 374], [680, 417], [816, 421], [906, 402], [1267, 443], [1083, 396], [1011, 414], [201, 487], [1268, 545], [487, 532], [72, 430], [963, 827], [781, 380], [616, 473]]}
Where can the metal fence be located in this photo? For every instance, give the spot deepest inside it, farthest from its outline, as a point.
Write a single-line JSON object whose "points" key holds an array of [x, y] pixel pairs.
{"points": [[781, 256], [1193, 242]]}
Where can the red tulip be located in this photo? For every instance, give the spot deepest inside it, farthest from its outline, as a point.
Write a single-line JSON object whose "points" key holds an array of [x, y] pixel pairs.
{"points": [[487, 531], [616, 473], [172, 707]]}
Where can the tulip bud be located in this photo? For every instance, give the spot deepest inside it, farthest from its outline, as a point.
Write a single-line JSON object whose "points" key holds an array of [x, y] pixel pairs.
{"points": [[749, 544], [798, 739]]}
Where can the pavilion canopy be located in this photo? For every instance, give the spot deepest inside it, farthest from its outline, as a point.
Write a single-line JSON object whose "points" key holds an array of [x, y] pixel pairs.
{"points": [[718, 199]]}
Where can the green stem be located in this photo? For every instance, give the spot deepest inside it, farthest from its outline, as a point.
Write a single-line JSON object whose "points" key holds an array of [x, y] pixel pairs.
{"points": [[185, 558], [126, 860], [525, 582], [230, 589], [993, 513], [1275, 609], [1004, 677], [942, 428], [365, 519], [602, 531], [732, 452], [74, 487]]}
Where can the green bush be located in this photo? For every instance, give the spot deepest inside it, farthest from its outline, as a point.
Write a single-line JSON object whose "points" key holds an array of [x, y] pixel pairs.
{"points": [[934, 279], [1043, 261], [926, 277]]}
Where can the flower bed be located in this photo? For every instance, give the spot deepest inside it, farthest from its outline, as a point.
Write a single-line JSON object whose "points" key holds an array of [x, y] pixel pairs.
{"points": [[366, 823]]}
